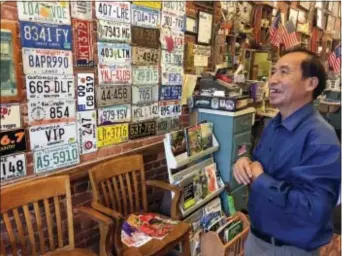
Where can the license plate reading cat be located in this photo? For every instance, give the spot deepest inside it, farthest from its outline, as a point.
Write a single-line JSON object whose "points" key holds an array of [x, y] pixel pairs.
{"points": [[172, 21], [113, 31], [46, 36], [144, 93], [12, 166], [170, 92], [86, 130], [172, 75], [116, 11], [114, 74], [176, 7], [166, 34], [145, 75], [172, 58], [108, 95], [144, 112], [143, 129], [145, 56], [111, 134], [45, 61], [49, 87], [55, 157], [114, 53], [114, 114], [85, 91], [169, 108], [145, 17], [147, 37]]}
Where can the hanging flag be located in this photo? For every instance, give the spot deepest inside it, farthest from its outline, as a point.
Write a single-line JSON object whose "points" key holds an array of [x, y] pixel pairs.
{"points": [[334, 59], [275, 37], [288, 35]]}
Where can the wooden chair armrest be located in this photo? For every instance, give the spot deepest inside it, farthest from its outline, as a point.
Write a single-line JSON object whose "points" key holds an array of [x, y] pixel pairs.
{"points": [[94, 215], [107, 211]]}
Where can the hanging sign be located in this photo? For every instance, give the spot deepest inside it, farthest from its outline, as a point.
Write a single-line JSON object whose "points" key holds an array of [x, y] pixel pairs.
{"points": [[10, 116], [12, 166], [86, 130], [113, 31], [85, 91], [114, 74]]}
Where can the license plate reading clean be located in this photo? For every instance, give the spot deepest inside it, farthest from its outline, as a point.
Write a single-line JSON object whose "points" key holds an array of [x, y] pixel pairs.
{"points": [[114, 114], [172, 58], [172, 21], [117, 11], [85, 91], [12, 166], [114, 53], [83, 43], [111, 134], [177, 38], [108, 95], [142, 129], [10, 117], [170, 92], [144, 93], [169, 108], [114, 74], [86, 129], [172, 75], [144, 112], [145, 56], [113, 31], [145, 17], [143, 75]]}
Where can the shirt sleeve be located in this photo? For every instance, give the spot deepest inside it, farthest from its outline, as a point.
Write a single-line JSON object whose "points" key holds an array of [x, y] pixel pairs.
{"points": [[313, 190]]}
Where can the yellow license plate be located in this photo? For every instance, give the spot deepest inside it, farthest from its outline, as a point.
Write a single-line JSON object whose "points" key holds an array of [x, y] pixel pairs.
{"points": [[111, 134], [151, 4]]}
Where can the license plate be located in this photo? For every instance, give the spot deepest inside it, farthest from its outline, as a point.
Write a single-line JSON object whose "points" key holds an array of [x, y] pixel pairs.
{"points": [[46, 36], [144, 93], [12, 166], [151, 4], [167, 124], [143, 129], [172, 75], [172, 58], [83, 43], [169, 108], [145, 75], [170, 92], [172, 21], [176, 7], [56, 157], [113, 31], [114, 74], [144, 112], [145, 56], [44, 136], [46, 12], [111, 134], [45, 61], [10, 116], [49, 87], [147, 37], [86, 130], [53, 110], [117, 11], [12, 141], [145, 17], [114, 114], [114, 53], [81, 10], [85, 91], [167, 36], [108, 95]]}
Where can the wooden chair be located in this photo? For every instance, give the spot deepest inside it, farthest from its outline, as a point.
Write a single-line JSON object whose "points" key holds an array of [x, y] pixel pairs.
{"points": [[119, 188], [34, 211]]}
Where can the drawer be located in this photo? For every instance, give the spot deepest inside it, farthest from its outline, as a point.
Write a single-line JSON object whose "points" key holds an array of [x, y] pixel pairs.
{"points": [[243, 123], [232, 182], [241, 146], [240, 196]]}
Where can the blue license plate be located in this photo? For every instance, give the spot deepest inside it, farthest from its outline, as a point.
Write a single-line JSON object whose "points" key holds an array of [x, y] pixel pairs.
{"points": [[45, 36], [173, 92]]}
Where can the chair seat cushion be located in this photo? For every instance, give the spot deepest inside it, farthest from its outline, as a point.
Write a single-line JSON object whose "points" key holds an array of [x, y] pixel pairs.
{"points": [[72, 252]]}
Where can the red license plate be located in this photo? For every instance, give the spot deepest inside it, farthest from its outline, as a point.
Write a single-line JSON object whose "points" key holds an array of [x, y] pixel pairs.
{"points": [[83, 43]]}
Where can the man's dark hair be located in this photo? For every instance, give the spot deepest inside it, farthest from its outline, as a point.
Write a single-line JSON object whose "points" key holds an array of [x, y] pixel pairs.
{"points": [[312, 66]]}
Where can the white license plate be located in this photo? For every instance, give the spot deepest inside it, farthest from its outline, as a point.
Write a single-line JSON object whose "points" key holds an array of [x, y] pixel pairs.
{"points": [[169, 108], [167, 124], [167, 35], [144, 112], [117, 11], [86, 130], [46, 12], [144, 93], [111, 53], [45, 61], [44, 136], [145, 17], [145, 75], [55, 157], [114, 74], [114, 114], [81, 10], [108, 95], [85, 91], [12, 166], [49, 87], [47, 111], [9, 117], [172, 21], [145, 56], [113, 31], [175, 7], [172, 58], [172, 75]]}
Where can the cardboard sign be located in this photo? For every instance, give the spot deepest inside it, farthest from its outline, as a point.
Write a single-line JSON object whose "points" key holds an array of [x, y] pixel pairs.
{"points": [[114, 74], [113, 53], [86, 129], [10, 117], [85, 91], [111, 134], [108, 95], [145, 17], [12, 166], [146, 37], [12, 141], [83, 43], [114, 114], [142, 129], [81, 10], [144, 112], [113, 31], [116, 11], [145, 56]]}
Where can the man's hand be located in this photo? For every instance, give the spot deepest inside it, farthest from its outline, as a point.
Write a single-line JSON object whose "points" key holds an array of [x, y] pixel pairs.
{"points": [[256, 169], [242, 171]]}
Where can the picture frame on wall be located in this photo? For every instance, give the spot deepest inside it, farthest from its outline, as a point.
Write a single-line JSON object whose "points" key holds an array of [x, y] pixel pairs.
{"points": [[330, 23], [204, 28], [191, 25], [293, 16], [319, 20], [306, 5]]}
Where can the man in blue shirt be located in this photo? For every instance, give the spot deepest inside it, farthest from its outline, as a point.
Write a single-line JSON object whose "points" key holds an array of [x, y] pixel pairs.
{"points": [[295, 173]]}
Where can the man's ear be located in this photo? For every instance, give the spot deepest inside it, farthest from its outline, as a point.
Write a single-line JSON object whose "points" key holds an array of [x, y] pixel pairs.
{"points": [[312, 83]]}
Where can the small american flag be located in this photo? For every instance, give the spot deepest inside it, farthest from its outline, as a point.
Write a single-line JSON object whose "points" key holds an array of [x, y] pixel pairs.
{"points": [[275, 37], [288, 35], [335, 59]]}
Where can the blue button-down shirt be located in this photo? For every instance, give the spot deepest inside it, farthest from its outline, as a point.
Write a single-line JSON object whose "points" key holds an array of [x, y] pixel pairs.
{"points": [[294, 198]]}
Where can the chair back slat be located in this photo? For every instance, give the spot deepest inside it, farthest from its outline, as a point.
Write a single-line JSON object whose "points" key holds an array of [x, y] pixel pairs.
{"points": [[10, 233], [58, 221], [123, 195], [2, 245], [105, 194], [49, 223], [20, 231], [130, 193], [117, 194], [40, 227], [111, 194], [30, 230], [136, 190]]}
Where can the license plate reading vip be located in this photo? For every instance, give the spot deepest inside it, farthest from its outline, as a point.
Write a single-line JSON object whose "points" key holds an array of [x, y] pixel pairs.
{"points": [[111, 134], [172, 21], [9, 116], [53, 110], [81, 10], [172, 75], [169, 108], [145, 17], [144, 93], [172, 58], [114, 53], [116, 11], [55, 157], [83, 43], [49, 87], [45, 61], [52, 135], [46, 36], [85, 91], [177, 7], [166, 34], [108, 95], [86, 129], [113, 31], [114, 74], [145, 112], [143, 129], [12, 166], [145, 75], [145, 56], [114, 114], [46, 12], [170, 92]]}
